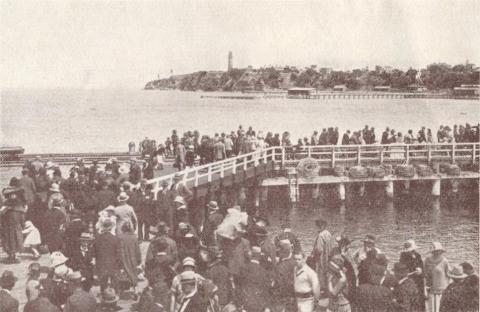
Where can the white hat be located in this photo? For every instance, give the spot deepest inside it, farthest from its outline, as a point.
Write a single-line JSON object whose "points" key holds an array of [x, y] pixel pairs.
{"points": [[49, 164], [180, 200], [187, 276], [28, 224], [437, 246], [123, 197], [410, 245], [55, 188], [61, 271], [58, 258], [213, 205], [188, 261]]}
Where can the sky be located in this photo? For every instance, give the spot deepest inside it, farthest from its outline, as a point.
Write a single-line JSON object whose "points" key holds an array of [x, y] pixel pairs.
{"points": [[121, 44]]}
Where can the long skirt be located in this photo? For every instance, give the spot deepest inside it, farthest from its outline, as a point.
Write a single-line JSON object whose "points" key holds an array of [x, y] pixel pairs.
{"points": [[11, 230]]}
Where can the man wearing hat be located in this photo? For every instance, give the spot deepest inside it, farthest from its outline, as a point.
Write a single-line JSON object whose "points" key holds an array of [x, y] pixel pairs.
{"points": [[287, 234], [179, 188], [180, 214], [322, 250], [269, 251], [217, 271], [54, 220], [106, 250], [42, 302], [162, 235], [368, 244], [79, 300], [453, 298], [406, 292], [28, 186], [254, 283], [7, 302], [471, 286], [177, 291], [283, 288], [124, 213], [214, 219], [412, 260]]}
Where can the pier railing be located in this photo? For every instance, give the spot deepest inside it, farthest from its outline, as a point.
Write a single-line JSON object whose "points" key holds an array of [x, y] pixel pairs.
{"points": [[329, 156]]}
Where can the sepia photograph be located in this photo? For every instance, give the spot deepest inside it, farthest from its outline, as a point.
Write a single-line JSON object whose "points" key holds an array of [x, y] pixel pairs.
{"points": [[239, 156]]}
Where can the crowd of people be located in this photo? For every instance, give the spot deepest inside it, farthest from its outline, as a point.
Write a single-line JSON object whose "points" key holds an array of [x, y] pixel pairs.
{"points": [[202, 256], [191, 148]]}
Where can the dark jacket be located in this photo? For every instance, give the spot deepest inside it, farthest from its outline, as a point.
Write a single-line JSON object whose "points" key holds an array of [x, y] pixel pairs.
{"points": [[41, 304], [406, 296], [471, 292], [80, 301], [7, 302], [374, 298], [453, 298], [211, 224], [105, 198], [218, 273], [283, 279], [255, 287], [52, 234], [106, 250]]}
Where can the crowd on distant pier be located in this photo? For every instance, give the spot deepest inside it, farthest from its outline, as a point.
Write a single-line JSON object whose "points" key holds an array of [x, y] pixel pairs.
{"points": [[204, 254], [192, 148]]}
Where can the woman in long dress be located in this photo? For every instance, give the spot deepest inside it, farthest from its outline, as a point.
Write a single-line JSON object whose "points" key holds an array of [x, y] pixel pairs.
{"points": [[12, 217], [130, 253]]}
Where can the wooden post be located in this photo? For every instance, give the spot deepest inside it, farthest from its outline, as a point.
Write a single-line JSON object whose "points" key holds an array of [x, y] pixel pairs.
{"points": [[358, 155], [234, 169], [381, 155], [453, 153], [222, 170], [245, 163], [209, 177], [195, 183], [407, 156], [283, 157], [474, 151], [341, 191], [389, 190], [309, 152], [454, 186], [429, 156], [333, 157], [436, 187], [361, 190]]}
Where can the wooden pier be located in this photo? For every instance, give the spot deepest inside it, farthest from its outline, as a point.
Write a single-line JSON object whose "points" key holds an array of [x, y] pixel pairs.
{"points": [[276, 166], [68, 158]]}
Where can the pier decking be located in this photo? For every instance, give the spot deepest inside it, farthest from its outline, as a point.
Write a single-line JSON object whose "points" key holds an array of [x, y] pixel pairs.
{"points": [[276, 166], [68, 158]]}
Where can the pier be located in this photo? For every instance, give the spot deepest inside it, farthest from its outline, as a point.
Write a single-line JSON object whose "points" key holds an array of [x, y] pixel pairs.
{"points": [[68, 158], [251, 175]]}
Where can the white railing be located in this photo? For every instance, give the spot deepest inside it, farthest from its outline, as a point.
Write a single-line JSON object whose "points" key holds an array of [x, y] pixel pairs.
{"points": [[328, 154]]}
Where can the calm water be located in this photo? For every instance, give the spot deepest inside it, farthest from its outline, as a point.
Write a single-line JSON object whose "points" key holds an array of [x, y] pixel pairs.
{"points": [[106, 120]]}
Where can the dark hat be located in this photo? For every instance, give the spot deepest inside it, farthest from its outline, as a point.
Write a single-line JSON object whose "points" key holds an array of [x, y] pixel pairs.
{"points": [[467, 268], [457, 272], [7, 279], [370, 238], [14, 182], [261, 232], [320, 223]]}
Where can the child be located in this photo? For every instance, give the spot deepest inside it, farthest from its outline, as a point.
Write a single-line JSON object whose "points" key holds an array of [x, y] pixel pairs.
{"points": [[32, 239]]}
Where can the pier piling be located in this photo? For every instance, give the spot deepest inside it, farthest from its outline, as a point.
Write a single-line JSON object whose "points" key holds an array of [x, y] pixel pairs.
{"points": [[389, 189], [436, 187], [341, 191]]}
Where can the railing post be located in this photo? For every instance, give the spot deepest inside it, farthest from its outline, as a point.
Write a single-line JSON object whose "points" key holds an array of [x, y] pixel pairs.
{"points": [[381, 155], [474, 152], [333, 157], [283, 157], [222, 170], [209, 177], [407, 151], [255, 159], [195, 182], [453, 153], [429, 155], [245, 163], [358, 155], [234, 170], [309, 152]]}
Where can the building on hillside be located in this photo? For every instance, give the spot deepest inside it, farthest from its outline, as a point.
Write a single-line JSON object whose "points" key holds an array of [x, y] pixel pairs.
{"points": [[302, 93], [467, 90], [382, 88], [340, 88], [416, 88]]}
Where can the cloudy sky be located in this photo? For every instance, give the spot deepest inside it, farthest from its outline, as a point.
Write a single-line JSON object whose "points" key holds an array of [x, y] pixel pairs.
{"points": [[115, 44]]}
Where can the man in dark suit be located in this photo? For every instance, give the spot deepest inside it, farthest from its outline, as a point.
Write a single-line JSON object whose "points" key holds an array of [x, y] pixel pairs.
{"points": [[405, 292], [7, 302], [412, 260], [283, 288], [373, 296], [214, 219], [254, 283], [106, 251]]}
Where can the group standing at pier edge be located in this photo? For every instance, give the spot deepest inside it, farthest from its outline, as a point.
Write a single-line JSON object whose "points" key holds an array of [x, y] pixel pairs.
{"points": [[203, 256], [192, 149]]}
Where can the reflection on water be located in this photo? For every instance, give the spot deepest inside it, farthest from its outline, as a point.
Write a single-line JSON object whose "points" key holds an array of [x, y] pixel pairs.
{"points": [[451, 219]]}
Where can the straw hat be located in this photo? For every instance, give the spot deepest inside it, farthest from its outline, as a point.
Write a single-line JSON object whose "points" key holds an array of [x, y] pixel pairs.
{"points": [[437, 246], [410, 245], [188, 277], [180, 200], [188, 261], [109, 296], [55, 188], [123, 197], [28, 224], [58, 258], [212, 205], [456, 272]]}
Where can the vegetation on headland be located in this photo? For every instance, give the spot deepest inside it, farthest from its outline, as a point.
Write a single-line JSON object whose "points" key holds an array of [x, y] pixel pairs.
{"points": [[437, 76]]}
